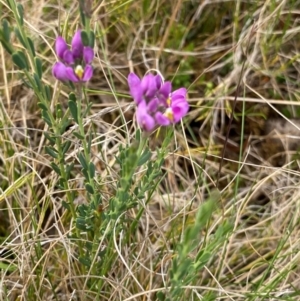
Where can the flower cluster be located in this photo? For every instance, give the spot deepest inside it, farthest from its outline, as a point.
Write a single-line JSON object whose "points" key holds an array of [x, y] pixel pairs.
{"points": [[75, 63], [157, 105]]}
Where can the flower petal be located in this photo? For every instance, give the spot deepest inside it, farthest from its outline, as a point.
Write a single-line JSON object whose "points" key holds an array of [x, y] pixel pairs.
{"points": [[71, 75], [88, 55], [135, 89], [60, 47], [153, 105], [77, 46], [179, 93], [180, 109], [161, 119], [165, 90], [159, 81], [68, 57], [88, 73], [149, 86], [59, 71], [145, 121]]}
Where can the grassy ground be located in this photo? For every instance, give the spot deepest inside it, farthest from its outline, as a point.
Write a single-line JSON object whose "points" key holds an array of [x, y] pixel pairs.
{"points": [[197, 232]]}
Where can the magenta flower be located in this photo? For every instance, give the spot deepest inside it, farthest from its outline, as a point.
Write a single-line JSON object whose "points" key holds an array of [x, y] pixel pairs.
{"points": [[156, 104], [177, 107], [75, 64], [144, 89]]}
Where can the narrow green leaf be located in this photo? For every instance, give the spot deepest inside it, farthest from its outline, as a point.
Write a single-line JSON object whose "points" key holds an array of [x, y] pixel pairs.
{"points": [[77, 135], [85, 261], [6, 30], [146, 155], [19, 59], [62, 181], [42, 106], [89, 188], [66, 145], [72, 96], [84, 38], [7, 46], [38, 67], [37, 81], [92, 39], [31, 45], [46, 118], [85, 174], [50, 138], [51, 151], [48, 92], [69, 168], [20, 37], [59, 112], [55, 168], [82, 161], [92, 169], [73, 109], [21, 13], [65, 205]]}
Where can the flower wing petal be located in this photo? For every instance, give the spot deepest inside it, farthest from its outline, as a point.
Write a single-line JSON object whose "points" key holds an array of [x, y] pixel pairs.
{"points": [[60, 47], [59, 71], [135, 89], [161, 119], [88, 73], [180, 109], [71, 75], [145, 121]]}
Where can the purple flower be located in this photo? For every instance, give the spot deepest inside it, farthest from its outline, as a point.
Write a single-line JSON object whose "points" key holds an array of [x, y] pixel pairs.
{"points": [[144, 118], [177, 108], [156, 104], [75, 63], [144, 89]]}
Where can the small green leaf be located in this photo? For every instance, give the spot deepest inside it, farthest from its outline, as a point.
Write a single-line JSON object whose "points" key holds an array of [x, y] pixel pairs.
{"points": [[73, 109], [55, 168], [48, 93], [62, 181], [146, 155], [69, 168], [6, 30], [92, 39], [66, 145], [7, 46], [82, 161], [72, 96], [84, 38], [85, 261], [89, 188], [42, 106], [58, 109], [21, 13], [37, 81], [78, 135], [50, 138], [38, 67], [85, 173], [31, 45], [46, 118], [92, 169], [51, 151], [19, 59], [65, 205], [20, 37]]}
